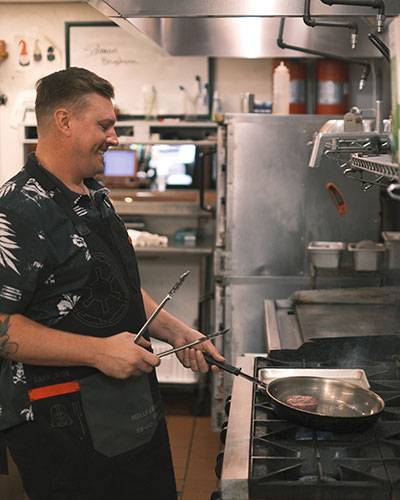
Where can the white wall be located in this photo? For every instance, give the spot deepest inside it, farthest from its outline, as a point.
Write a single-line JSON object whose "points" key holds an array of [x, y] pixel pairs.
{"points": [[234, 76], [30, 21]]}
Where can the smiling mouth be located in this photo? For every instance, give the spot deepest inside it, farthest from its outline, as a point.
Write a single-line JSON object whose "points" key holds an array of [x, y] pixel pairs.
{"points": [[101, 153]]}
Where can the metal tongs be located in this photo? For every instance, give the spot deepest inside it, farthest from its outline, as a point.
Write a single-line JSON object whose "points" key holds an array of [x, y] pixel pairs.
{"points": [[168, 297], [195, 342]]}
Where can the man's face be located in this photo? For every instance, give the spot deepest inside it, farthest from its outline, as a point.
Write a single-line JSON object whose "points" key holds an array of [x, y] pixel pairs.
{"points": [[92, 133]]}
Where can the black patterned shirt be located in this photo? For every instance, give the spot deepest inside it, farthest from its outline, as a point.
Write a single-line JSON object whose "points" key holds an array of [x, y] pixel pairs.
{"points": [[44, 264]]}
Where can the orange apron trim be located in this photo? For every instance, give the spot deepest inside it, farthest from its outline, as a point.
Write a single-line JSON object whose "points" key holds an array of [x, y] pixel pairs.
{"points": [[50, 391]]}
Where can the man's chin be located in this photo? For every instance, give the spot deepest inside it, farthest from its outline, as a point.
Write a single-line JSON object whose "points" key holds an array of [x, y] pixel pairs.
{"points": [[99, 167]]}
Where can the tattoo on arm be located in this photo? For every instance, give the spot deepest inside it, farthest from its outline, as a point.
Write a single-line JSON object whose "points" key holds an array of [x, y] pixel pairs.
{"points": [[6, 346]]}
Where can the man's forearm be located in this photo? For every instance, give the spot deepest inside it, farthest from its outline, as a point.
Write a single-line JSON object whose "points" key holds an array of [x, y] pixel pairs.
{"points": [[22, 339], [177, 333], [166, 326]]}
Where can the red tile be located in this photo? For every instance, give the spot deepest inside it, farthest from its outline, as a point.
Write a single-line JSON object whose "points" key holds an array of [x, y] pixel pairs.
{"points": [[180, 452], [199, 490], [201, 469]]}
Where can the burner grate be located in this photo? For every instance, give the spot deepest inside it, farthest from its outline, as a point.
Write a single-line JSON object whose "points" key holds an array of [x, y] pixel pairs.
{"points": [[288, 461]]}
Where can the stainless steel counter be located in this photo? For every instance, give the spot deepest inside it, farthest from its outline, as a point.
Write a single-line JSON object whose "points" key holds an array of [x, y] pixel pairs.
{"points": [[235, 471]]}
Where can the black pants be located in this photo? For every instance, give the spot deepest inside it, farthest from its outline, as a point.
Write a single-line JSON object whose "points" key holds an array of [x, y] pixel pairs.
{"points": [[55, 466]]}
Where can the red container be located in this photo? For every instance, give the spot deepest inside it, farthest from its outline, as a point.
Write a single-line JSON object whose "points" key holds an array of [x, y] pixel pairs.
{"points": [[332, 87]]}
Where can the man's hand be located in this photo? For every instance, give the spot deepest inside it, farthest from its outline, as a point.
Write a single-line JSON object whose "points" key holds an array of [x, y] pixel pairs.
{"points": [[119, 357], [193, 357]]}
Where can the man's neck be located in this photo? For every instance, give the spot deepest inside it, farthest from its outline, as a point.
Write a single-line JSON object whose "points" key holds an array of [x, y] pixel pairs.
{"points": [[59, 166]]}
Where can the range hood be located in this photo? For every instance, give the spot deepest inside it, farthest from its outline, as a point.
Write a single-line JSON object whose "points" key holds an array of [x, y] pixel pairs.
{"points": [[239, 28]]}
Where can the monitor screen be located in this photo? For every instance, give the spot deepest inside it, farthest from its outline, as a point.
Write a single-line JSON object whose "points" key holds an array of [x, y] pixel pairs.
{"points": [[174, 162], [119, 163]]}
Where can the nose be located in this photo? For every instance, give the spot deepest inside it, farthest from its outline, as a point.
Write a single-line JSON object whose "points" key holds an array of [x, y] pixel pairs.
{"points": [[112, 138]]}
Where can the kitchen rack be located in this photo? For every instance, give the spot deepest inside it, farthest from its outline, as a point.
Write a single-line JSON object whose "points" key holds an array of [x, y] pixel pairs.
{"points": [[380, 165], [372, 170], [333, 142]]}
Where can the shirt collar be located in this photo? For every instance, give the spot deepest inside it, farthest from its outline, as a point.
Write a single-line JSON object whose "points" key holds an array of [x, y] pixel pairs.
{"points": [[97, 189]]}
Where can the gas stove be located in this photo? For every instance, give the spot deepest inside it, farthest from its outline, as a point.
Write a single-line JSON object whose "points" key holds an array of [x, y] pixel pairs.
{"points": [[268, 458]]}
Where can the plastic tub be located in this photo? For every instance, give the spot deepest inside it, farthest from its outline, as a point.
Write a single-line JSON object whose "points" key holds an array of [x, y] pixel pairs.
{"points": [[325, 254], [392, 244], [366, 254]]}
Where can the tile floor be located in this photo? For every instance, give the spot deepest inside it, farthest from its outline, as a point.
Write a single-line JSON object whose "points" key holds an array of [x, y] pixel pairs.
{"points": [[194, 448]]}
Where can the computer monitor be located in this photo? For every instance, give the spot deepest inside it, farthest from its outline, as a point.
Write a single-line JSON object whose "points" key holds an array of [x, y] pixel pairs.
{"points": [[175, 163], [120, 168], [120, 163]]}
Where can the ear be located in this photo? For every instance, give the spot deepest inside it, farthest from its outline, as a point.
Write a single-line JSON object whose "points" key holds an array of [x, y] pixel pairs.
{"points": [[62, 120]]}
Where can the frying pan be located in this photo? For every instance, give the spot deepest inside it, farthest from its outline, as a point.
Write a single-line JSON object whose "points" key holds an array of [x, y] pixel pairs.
{"points": [[342, 406]]}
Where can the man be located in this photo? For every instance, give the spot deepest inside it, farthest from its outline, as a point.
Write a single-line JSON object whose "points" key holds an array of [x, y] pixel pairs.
{"points": [[79, 403]]}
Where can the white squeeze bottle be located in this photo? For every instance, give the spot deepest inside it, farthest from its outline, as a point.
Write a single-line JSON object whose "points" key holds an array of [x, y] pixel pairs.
{"points": [[281, 90]]}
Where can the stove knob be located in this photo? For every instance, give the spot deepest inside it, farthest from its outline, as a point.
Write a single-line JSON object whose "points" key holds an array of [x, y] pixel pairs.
{"points": [[218, 464], [224, 430], [228, 405], [216, 495]]}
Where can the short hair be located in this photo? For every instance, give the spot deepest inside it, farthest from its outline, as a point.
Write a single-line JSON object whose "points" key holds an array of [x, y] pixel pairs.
{"points": [[68, 86]]}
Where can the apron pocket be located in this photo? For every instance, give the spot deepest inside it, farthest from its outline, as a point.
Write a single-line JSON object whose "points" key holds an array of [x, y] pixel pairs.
{"points": [[121, 414]]}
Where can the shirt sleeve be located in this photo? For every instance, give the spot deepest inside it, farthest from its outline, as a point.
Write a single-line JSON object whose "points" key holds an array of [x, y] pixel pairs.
{"points": [[22, 257]]}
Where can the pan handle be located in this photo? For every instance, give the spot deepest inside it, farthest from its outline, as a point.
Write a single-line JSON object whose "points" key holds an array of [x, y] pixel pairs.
{"points": [[224, 366]]}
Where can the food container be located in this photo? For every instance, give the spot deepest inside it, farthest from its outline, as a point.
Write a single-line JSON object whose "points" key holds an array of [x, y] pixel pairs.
{"points": [[325, 253], [366, 254], [392, 245]]}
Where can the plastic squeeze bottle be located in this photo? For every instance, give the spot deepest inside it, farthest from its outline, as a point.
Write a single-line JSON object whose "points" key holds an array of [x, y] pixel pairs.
{"points": [[281, 90], [216, 112]]}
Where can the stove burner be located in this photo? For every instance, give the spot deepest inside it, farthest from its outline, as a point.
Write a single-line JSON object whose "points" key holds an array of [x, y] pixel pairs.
{"points": [[308, 464]]}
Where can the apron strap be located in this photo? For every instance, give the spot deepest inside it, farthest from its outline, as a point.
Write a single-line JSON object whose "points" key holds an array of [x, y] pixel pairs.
{"points": [[3, 455]]}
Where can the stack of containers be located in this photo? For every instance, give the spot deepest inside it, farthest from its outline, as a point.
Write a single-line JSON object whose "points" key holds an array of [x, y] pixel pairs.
{"points": [[394, 44]]}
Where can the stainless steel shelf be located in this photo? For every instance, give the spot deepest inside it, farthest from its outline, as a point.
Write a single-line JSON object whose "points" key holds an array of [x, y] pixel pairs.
{"points": [[175, 249], [126, 141], [131, 140], [380, 165], [160, 208]]}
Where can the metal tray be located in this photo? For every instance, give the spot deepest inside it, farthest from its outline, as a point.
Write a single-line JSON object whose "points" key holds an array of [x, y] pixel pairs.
{"points": [[354, 376]]}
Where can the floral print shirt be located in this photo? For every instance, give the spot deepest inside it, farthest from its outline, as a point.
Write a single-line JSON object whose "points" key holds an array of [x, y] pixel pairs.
{"points": [[44, 265]]}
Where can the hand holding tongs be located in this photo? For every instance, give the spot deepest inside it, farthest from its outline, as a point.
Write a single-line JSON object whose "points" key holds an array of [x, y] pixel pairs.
{"points": [[195, 342], [168, 297]]}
